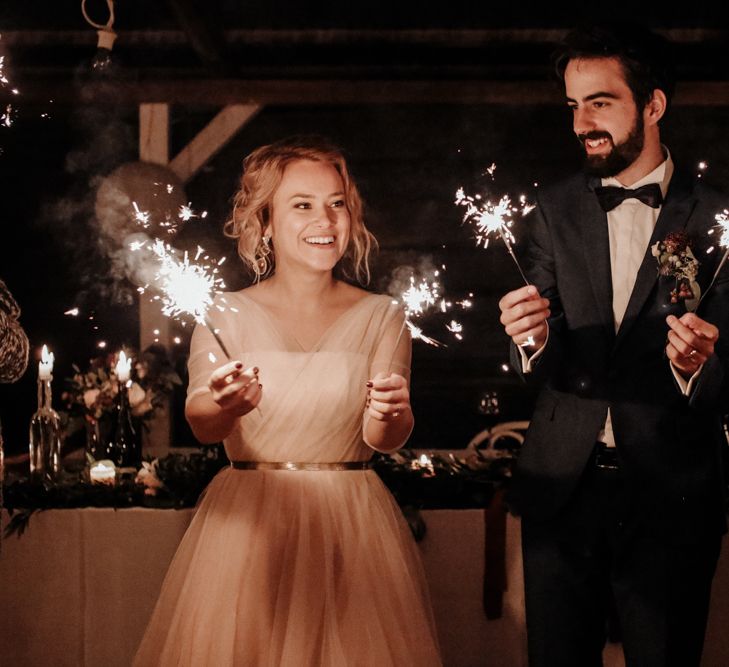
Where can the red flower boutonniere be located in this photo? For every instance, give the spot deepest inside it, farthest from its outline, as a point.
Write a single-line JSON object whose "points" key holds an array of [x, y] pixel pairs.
{"points": [[676, 259]]}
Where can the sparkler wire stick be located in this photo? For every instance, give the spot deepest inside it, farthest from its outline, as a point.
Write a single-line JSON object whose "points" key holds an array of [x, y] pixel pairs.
{"points": [[713, 279], [217, 337], [507, 243]]}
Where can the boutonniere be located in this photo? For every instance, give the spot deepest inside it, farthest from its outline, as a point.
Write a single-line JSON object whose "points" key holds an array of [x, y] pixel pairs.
{"points": [[676, 259]]}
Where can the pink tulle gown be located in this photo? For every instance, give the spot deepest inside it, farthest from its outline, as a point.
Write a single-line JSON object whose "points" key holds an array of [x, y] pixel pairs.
{"points": [[296, 568]]}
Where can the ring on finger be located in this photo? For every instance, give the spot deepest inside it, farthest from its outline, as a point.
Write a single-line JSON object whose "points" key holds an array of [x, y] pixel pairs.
{"points": [[693, 353]]}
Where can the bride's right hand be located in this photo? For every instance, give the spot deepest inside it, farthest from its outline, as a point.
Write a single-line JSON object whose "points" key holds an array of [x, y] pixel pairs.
{"points": [[235, 390]]}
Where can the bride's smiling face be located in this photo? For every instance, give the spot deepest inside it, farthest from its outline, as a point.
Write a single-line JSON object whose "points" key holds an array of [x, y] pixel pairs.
{"points": [[310, 221]]}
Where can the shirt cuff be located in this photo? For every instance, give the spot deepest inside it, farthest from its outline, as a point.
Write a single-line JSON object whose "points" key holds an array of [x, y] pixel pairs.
{"points": [[526, 362], [686, 386]]}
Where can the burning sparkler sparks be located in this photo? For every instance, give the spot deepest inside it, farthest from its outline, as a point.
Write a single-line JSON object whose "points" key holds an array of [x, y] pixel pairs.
{"points": [[6, 119], [142, 217], [417, 299], [491, 219], [186, 213], [456, 328], [187, 288], [722, 225]]}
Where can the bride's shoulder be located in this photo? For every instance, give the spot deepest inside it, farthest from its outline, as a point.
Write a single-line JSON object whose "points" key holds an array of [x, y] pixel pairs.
{"points": [[373, 301], [252, 293]]}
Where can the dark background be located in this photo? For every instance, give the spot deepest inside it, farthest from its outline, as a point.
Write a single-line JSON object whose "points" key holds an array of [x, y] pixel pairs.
{"points": [[408, 158]]}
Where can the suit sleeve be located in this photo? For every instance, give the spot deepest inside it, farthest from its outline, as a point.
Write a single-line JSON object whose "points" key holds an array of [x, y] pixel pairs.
{"points": [[537, 259]]}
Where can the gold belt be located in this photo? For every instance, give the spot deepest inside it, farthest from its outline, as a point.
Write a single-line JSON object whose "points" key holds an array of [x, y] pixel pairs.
{"points": [[293, 465]]}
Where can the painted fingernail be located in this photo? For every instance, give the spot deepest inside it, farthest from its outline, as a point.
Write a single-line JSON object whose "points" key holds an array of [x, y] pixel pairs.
{"points": [[255, 370], [369, 384], [260, 386]]}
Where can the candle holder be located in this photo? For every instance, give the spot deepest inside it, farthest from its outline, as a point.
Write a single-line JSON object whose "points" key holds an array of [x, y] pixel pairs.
{"points": [[123, 445], [102, 472], [45, 436]]}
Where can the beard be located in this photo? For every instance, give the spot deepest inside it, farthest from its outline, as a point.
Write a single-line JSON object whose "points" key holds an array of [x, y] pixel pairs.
{"points": [[620, 157]]}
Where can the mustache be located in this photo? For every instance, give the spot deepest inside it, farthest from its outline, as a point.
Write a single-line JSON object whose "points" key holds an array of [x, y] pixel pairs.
{"points": [[595, 134]]}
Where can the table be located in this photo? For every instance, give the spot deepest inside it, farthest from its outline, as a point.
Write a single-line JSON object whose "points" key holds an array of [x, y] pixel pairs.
{"points": [[78, 588]]}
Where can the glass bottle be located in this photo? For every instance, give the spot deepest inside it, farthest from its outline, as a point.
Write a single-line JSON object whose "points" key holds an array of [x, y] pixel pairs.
{"points": [[123, 445], [45, 437]]}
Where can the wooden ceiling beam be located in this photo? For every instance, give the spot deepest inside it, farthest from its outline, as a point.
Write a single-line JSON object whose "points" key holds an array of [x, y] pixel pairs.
{"points": [[453, 37], [222, 92]]}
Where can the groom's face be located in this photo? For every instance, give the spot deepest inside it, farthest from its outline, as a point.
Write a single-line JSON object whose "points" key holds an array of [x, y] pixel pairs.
{"points": [[606, 120]]}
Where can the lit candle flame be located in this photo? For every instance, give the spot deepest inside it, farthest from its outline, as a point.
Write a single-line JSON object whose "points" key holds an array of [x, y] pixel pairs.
{"points": [[73, 311], [45, 367], [123, 368]]}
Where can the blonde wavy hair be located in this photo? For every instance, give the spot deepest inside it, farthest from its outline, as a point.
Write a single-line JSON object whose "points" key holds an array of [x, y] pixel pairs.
{"points": [[262, 173]]}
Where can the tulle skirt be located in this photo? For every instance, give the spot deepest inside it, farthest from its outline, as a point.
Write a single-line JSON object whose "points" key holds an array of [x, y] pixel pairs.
{"points": [[297, 568]]}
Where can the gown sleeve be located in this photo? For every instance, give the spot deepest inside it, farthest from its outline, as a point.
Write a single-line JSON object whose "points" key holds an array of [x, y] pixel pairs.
{"points": [[393, 349]]}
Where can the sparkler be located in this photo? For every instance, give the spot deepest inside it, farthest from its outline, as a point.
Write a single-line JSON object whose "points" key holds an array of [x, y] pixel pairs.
{"points": [[6, 119], [416, 300], [722, 225], [187, 288], [493, 219]]}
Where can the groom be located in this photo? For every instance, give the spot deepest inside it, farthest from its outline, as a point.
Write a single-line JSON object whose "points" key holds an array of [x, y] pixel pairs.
{"points": [[619, 483]]}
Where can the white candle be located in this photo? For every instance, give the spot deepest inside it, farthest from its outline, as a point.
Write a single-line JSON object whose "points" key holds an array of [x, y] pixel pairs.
{"points": [[103, 472], [123, 368], [45, 367], [426, 463]]}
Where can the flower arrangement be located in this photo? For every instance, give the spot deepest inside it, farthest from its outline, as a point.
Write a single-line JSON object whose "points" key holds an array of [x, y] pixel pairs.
{"points": [[676, 259], [90, 395]]}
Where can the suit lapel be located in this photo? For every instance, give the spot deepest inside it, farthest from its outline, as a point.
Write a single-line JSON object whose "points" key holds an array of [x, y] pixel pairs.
{"points": [[596, 249], [673, 217]]}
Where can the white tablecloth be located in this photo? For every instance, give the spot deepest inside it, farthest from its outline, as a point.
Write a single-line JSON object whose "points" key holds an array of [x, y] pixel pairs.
{"points": [[77, 589]]}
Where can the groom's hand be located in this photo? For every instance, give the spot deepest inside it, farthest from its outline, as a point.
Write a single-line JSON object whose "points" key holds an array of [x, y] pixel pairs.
{"points": [[691, 342], [524, 315]]}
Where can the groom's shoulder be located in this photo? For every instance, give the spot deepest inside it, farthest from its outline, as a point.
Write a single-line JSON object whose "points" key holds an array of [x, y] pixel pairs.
{"points": [[704, 188], [563, 191]]}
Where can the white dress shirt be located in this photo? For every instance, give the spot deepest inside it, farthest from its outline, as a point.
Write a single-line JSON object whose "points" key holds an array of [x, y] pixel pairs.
{"points": [[630, 227]]}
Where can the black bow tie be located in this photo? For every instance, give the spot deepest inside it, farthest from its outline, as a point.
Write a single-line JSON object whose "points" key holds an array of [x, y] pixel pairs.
{"points": [[610, 197]]}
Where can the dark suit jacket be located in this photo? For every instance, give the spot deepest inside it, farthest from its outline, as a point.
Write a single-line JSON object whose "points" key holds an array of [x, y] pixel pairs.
{"points": [[670, 446]]}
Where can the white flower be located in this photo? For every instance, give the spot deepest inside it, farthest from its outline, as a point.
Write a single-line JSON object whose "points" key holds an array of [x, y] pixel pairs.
{"points": [[90, 396], [147, 476]]}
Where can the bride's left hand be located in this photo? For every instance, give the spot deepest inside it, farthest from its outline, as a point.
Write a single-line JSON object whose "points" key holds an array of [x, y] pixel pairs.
{"points": [[388, 396]]}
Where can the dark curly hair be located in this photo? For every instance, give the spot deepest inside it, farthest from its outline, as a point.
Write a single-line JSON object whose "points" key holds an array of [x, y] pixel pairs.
{"points": [[646, 57]]}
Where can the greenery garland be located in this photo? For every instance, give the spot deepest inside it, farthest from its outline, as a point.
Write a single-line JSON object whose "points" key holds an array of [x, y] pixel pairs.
{"points": [[439, 482]]}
